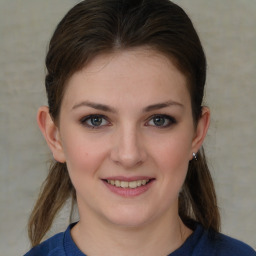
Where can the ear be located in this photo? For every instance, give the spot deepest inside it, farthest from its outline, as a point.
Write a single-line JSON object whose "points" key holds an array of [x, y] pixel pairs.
{"points": [[201, 130], [51, 133]]}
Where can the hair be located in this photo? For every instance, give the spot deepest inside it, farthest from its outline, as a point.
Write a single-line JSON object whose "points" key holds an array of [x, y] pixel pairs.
{"points": [[94, 27]]}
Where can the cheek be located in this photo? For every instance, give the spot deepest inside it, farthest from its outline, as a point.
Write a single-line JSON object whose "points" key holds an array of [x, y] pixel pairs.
{"points": [[83, 155], [172, 157], [174, 154], [173, 150], [173, 164]]}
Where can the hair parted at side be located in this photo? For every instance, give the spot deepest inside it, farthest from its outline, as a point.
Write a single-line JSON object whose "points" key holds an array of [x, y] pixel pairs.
{"points": [[94, 27]]}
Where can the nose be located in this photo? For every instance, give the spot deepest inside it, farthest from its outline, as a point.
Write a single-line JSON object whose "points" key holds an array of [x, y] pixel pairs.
{"points": [[128, 150]]}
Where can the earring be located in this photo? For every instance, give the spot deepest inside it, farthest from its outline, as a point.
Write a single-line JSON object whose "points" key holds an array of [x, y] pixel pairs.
{"points": [[195, 156]]}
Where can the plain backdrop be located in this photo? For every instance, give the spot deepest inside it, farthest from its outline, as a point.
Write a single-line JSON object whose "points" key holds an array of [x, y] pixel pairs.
{"points": [[227, 30]]}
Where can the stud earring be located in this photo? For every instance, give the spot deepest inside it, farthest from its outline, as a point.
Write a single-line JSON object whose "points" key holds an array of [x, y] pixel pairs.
{"points": [[195, 156]]}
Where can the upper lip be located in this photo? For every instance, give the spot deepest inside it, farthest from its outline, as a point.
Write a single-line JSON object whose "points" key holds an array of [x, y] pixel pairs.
{"points": [[133, 178]]}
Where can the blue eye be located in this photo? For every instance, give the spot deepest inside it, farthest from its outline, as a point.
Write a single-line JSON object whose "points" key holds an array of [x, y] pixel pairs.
{"points": [[161, 121], [94, 121]]}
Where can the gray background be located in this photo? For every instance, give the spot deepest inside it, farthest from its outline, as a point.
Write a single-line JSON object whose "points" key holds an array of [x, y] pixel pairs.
{"points": [[227, 30]]}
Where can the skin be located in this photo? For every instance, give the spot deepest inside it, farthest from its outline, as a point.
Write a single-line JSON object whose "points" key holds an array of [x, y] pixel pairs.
{"points": [[128, 143]]}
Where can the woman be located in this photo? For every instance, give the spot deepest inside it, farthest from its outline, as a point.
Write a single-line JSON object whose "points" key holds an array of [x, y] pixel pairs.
{"points": [[125, 124]]}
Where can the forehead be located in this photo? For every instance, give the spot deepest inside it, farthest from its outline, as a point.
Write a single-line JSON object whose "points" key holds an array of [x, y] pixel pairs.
{"points": [[129, 58], [136, 72]]}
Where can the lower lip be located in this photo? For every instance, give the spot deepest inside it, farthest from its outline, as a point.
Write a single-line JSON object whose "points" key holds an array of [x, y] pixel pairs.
{"points": [[129, 192]]}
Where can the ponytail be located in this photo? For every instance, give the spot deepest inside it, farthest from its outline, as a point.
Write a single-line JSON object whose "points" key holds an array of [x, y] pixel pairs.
{"points": [[198, 199], [56, 189]]}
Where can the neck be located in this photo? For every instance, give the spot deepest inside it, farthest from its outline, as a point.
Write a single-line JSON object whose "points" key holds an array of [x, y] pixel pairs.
{"points": [[160, 237]]}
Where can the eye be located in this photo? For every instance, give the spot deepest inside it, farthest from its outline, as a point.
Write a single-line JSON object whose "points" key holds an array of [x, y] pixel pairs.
{"points": [[94, 121], [161, 121]]}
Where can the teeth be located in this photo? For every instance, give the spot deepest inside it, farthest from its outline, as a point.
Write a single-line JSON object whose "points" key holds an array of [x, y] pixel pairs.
{"points": [[118, 183], [124, 184], [133, 184], [127, 184], [143, 182]]}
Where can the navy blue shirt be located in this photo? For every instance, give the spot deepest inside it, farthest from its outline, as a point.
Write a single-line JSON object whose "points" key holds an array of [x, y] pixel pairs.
{"points": [[200, 243]]}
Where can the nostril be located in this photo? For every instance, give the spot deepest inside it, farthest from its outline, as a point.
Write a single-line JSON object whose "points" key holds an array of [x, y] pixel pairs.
{"points": [[127, 151]]}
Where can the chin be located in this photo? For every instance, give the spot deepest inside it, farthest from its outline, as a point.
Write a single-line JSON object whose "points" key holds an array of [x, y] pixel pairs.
{"points": [[129, 218]]}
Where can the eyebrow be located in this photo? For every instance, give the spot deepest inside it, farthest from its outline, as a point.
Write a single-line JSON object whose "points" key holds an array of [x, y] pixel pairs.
{"points": [[94, 105], [162, 105], [107, 108]]}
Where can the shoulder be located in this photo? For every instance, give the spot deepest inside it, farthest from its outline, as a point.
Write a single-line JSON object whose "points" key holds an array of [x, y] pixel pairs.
{"points": [[219, 244], [50, 247], [226, 245]]}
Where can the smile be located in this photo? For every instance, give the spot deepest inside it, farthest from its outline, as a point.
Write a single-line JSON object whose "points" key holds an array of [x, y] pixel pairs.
{"points": [[128, 184]]}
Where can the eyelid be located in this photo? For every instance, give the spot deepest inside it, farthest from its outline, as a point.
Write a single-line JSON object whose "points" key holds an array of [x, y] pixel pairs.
{"points": [[84, 119], [171, 120]]}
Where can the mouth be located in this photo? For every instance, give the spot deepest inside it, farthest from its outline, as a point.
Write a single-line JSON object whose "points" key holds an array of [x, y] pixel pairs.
{"points": [[128, 184], [128, 187]]}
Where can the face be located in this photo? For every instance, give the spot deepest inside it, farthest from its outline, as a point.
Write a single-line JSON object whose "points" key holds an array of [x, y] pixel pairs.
{"points": [[126, 134]]}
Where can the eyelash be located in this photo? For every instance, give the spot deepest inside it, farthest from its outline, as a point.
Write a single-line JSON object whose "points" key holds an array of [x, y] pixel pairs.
{"points": [[84, 120], [170, 121]]}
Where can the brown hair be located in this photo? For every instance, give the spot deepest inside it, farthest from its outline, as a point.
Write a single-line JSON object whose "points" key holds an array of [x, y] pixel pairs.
{"points": [[94, 27]]}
